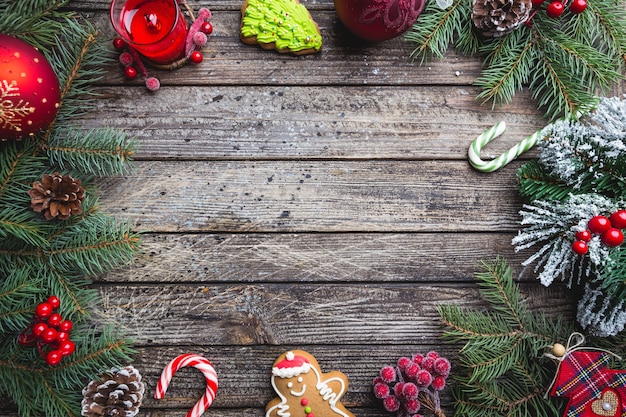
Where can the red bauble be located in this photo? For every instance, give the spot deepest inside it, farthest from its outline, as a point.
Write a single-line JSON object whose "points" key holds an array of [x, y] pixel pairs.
{"points": [[599, 224], [618, 219], [555, 9], [378, 20], [613, 237], [580, 247], [578, 6], [29, 89]]}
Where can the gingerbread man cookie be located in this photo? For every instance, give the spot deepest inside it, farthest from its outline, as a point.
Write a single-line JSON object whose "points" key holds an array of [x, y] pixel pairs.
{"points": [[303, 390]]}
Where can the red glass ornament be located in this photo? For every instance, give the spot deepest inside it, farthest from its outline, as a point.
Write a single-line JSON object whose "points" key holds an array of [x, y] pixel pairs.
{"points": [[584, 235], [580, 247], [555, 9], [378, 20], [55, 319], [43, 310], [207, 28], [29, 89], [612, 237], [53, 357], [599, 224], [196, 57], [578, 6], [618, 219], [65, 326]]}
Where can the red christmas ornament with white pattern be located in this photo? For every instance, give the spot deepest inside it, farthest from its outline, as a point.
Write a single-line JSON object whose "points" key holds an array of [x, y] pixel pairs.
{"points": [[29, 90]]}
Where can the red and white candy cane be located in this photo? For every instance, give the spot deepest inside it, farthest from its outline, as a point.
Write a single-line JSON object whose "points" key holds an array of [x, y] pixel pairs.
{"points": [[199, 362]]}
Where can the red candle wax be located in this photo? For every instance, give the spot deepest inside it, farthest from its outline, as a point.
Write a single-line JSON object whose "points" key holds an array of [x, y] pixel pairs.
{"points": [[155, 28]]}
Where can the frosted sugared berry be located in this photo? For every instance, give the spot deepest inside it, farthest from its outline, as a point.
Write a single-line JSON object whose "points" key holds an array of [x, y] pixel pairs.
{"points": [[381, 390], [439, 383], [126, 59], [580, 247], [412, 370], [388, 374], [403, 362], [432, 354], [377, 380], [391, 403], [412, 406], [410, 390], [599, 224], [442, 366], [153, 84], [423, 378], [53, 357], [612, 237], [397, 389], [417, 358], [618, 219], [199, 39], [428, 363], [584, 235]]}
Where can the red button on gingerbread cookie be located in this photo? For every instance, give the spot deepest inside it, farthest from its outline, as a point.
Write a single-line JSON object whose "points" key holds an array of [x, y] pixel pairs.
{"points": [[303, 390]]}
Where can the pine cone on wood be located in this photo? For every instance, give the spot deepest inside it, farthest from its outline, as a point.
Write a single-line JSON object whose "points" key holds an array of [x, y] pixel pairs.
{"points": [[494, 18], [57, 196], [117, 394]]}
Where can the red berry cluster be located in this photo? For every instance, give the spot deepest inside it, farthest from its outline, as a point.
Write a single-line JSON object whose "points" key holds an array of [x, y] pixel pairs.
{"points": [[608, 228], [49, 332], [556, 8], [404, 388]]}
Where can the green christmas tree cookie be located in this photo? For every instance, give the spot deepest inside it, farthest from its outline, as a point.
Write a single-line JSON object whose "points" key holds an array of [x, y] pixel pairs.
{"points": [[284, 25]]}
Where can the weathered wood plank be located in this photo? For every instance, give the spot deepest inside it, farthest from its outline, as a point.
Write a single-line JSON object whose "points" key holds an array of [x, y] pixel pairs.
{"points": [[294, 313], [344, 60], [319, 257], [309, 122], [329, 196]]}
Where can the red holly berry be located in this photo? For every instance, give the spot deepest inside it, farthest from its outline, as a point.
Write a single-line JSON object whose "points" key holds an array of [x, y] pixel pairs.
{"points": [[612, 237], [49, 335], [130, 72], [55, 319], [555, 9], [580, 247], [599, 224], [578, 6], [118, 43], [65, 326], [584, 235], [537, 3], [43, 310], [62, 337], [54, 357], [54, 301], [618, 219], [207, 28], [67, 348], [196, 57], [39, 328]]}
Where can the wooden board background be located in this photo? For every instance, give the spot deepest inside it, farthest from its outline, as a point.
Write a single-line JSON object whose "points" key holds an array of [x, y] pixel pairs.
{"points": [[322, 202]]}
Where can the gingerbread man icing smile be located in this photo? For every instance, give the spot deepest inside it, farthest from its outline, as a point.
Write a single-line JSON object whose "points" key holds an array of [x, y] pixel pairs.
{"points": [[303, 390]]}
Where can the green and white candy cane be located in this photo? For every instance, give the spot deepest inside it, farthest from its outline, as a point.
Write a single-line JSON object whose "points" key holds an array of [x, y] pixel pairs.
{"points": [[487, 136]]}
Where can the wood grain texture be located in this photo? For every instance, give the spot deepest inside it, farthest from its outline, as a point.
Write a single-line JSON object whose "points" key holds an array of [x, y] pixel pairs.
{"points": [[317, 257]]}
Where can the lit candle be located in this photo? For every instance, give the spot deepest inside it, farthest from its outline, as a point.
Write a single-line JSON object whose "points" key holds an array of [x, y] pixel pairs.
{"points": [[155, 28]]}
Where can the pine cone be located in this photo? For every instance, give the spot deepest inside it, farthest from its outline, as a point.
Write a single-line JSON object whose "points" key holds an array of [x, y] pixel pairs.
{"points": [[57, 196], [117, 394], [496, 18]]}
